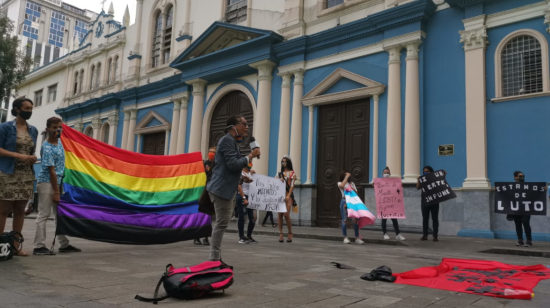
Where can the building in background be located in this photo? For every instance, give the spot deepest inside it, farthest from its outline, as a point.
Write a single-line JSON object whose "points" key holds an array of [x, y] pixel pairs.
{"points": [[352, 85]]}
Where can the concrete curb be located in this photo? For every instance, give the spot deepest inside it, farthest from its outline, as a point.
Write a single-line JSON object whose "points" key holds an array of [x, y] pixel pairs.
{"points": [[517, 252]]}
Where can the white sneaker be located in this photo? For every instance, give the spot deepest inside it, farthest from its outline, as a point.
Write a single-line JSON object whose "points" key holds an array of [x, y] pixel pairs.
{"points": [[359, 241], [400, 237], [386, 236], [346, 241], [243, 241]]}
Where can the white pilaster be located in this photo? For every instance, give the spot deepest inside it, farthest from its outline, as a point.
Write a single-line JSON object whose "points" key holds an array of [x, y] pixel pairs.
{"points": [[96, 126], [310, 145], [182, 129], [412, 115], [261, 132], [393, 130], [475, 43], [375, 100], [284, 120], [113, 127], [175, 128], [79, 125], [126, 125], [197, 115], [131, 127], [296, 125]]}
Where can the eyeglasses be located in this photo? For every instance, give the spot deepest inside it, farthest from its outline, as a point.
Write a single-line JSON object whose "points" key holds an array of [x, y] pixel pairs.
{"points": [[244, 124]]}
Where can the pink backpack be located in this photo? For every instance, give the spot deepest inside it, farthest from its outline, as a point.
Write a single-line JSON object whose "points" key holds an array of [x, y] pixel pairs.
{"points": [[192, 282]]}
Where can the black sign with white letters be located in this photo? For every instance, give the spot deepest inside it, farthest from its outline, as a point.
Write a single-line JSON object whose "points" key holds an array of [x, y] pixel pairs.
{"points": [[435, 188], [520, 198]]}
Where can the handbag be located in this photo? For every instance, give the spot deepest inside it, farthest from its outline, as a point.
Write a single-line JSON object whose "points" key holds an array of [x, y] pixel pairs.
{"points": [[205, 204], [8, 244]]}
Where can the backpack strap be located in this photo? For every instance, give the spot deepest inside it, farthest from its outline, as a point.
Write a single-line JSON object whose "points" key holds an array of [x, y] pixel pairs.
{"points": [[155, 298]]}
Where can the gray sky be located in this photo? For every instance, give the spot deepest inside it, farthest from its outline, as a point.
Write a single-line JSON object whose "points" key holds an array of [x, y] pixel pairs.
{"points": [[119, 5]]}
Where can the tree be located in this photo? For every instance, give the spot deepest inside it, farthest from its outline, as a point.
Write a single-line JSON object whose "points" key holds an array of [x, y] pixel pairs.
{"points": [[14, 64]]}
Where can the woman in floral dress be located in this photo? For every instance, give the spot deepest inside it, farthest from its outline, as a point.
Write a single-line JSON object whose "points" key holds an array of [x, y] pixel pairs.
{"points": [[17, 148]]}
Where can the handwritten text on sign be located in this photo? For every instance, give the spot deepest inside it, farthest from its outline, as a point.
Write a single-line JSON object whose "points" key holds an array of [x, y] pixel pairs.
{"points": [[435, 188], [389, 198], [520, 198], [267, 194]]}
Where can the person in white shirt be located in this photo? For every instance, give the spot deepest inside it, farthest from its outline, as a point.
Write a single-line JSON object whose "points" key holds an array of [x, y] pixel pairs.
{"points": [[242, 203], [398, 235]]}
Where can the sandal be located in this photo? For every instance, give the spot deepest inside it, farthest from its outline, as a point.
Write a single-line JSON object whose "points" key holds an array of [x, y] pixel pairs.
{"points": [[274, 225], [289, 240], [281, 238]]}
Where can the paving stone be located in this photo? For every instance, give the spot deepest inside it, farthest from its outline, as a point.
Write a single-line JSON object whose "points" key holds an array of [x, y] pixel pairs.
{"points": [[459, 300], [376, 301], [336, 301], [417, 302], [286, 286], [110, 269]]}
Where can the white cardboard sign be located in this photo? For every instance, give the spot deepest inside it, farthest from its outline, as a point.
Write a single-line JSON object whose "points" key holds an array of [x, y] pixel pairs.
{"points": [[267, 194]]}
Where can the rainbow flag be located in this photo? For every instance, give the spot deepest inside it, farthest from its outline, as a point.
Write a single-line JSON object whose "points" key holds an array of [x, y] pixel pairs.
{"points": [[117, 196], [357, 209]]}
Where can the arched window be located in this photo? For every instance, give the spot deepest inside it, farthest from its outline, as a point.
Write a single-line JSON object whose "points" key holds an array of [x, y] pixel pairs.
{"points": [[92, 77], [81, 82], [167, 42], [157, 40], [110, 70], [521, 63], [115, 69], [89, 131], [98, 75], [75, 88], [106, 131]]}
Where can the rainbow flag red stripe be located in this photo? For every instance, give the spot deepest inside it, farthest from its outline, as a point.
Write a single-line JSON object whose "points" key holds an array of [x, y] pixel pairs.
{"points": [[118, 196]]}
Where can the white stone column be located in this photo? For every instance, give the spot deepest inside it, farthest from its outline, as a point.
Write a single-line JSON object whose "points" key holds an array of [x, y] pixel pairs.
{"points": [[375, 100], [412, 115], [475, 42], [182, 129], [310, 145], [197, 115], [113, 127], [393, 130], [139, 21], [124, 144], [284, 119], [79, 125], [96, 126], [296, 125], [131, 127], [263, 113], [175, 128]]}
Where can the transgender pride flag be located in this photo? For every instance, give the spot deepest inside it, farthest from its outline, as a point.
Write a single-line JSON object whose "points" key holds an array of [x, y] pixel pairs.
{"points": [[357, 209], [118, 196]]}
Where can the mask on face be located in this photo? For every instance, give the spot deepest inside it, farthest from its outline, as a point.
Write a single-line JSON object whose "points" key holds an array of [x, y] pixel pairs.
{"points": [[211, 155], [425, 173], [238, 137], [25, 114], [387, 175], [56, 133], [521, 179]]}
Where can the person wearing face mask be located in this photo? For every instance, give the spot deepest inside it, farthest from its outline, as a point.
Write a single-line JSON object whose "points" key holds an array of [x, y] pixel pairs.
{"points": [[343, 184], [208, 167], [17, 147], [428, 210], [398, 236], [226, 176], [49, 187], [522, 222], [287, 176]]}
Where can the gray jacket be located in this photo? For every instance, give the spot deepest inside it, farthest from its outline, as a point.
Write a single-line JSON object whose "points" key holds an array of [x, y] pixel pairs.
{"points": [[227, 172]]}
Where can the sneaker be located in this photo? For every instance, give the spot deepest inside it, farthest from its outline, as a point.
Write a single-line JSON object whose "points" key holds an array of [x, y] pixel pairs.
{"points": [[400, 237], [69, 248], [243, 241], [252, 241], [359, 241], [205, 242], [520, 243], [386, 236], [197, 241], [346, 241], [528, 244], [43, 251]]}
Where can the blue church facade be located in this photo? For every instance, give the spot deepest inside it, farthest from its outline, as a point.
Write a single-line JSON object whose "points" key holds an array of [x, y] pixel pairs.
{"points": [[393, 89]]}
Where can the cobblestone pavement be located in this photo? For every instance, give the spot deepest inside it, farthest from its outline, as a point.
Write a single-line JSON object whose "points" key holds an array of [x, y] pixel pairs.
{"points": [[268, 274]]}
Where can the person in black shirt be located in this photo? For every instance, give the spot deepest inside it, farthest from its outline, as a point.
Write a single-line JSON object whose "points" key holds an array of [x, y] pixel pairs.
{"points": [[208, 167]]}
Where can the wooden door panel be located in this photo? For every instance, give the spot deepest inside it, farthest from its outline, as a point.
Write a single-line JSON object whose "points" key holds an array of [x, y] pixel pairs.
{"points": [[153, 144]]}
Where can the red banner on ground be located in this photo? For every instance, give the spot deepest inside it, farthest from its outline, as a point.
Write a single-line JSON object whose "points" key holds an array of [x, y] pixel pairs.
{"points": [[488, 278]]}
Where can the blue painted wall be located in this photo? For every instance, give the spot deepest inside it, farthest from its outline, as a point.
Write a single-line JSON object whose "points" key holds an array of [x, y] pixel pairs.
{"points": [[342, 85]]}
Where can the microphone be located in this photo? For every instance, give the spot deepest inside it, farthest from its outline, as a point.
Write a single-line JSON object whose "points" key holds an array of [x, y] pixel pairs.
{"points": [[254, 144]]}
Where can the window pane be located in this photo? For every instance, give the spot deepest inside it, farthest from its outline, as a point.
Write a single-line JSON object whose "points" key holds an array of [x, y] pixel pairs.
{"points": [[521, 66], [331, 3]]}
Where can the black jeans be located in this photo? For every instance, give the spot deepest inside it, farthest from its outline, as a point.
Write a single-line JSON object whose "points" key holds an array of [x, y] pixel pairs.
{"points": [[524, 220], [243, 210], [270, 215], [395, 226], [434, 211]]}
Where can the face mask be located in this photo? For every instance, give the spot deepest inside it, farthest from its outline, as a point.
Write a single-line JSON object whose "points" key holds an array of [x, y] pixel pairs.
{"points": [[387, 175], [56, 133], [211, 155], [521, 179], [238, 137], [425, 173], [283, 164], [25, 114]]}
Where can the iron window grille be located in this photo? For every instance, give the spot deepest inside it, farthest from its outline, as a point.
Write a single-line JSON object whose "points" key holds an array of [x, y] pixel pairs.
{"points": [[522, 66]]}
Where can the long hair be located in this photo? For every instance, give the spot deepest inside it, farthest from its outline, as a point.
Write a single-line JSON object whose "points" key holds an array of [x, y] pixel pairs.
{"points": [[342, 176], [288, 164]]}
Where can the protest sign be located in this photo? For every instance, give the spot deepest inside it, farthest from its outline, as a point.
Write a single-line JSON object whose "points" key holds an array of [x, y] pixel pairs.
{"points": [[267, 194], [435, 188], [389, 198], [520, 198]]}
